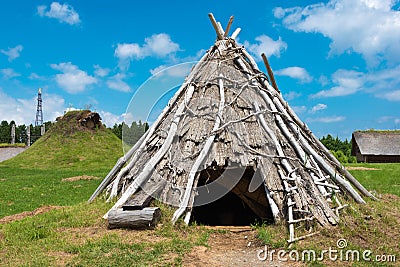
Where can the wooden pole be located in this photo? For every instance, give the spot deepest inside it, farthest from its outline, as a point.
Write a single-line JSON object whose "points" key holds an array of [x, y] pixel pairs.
{"points": [[270, 73], [228, 27], [216, 26], [235, 33]]}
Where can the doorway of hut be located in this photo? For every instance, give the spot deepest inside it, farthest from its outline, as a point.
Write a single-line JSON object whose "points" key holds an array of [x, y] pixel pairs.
{"points": [[231, 197]]}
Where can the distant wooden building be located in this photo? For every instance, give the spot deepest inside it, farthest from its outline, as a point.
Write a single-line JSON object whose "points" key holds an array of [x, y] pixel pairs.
{"points": [[376, 146]]}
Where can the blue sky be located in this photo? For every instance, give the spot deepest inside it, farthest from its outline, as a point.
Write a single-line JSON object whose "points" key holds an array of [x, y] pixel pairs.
{"points": [[336, 62]]}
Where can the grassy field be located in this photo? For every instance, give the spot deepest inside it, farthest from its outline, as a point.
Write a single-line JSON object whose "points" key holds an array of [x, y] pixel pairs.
{"points": [[381, 177], [37, 176], [67, 231], [12, 145]]}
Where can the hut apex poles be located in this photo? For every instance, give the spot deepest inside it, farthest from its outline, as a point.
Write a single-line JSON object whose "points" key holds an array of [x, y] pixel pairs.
{"points": [[228, 27], [270, 73], [217, 28], [221, 34]]}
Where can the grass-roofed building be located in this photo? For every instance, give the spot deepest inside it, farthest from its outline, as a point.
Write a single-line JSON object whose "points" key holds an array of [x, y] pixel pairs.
{"points": [[376, 146]]}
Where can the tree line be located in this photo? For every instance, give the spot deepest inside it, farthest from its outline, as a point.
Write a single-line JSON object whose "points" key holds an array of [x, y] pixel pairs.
{"points": [[130, 133], [340, 149], [20, 132]]}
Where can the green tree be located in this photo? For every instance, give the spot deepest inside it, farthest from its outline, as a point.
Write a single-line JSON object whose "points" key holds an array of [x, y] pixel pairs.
{"points": [[340, 149], [5, 132], [117, 130]]}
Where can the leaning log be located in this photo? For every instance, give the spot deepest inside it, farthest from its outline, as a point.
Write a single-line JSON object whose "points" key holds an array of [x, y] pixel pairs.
{"points": [[146, 218]]}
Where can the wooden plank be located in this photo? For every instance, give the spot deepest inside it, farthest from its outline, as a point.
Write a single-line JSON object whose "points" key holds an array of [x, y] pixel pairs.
{"points": [[142, 198], [146, 218], [138, 201]]}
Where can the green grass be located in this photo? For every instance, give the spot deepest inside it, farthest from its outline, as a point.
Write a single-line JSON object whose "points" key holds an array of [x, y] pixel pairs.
{"points": [[374, 226], [77, 236], [34, 178], [385, 179], [2, 145]]}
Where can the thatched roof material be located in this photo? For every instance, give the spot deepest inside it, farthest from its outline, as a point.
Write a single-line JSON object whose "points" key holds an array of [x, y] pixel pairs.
{"points": [[378, 142]]}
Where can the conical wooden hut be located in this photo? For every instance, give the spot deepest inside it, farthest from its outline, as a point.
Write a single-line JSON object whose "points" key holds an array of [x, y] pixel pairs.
{"points": [[228, 130]]}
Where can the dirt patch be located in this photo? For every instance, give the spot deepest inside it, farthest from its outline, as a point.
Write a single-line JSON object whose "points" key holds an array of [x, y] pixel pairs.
{"points": [[233, 229], [22, 215], [61, 258], [351, 168], [233, 248], [78, 178]]}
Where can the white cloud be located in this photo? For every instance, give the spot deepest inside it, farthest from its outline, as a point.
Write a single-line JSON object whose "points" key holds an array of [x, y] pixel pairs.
{"points": [[391, 96], [109, 119], [299, 109], [12, 53], [24, 110], [348, 82], [116, 82], [381, 83], [62, 12], [323, 80], [159, 45], [295, 73], [367, 27], [9, 73], [388, 120], [384, 119], [179, 70], [35, 76], [318, 107], [291, 95], [129, 51], [73, 80], [101, 72], [266, 45], [330, 119]]}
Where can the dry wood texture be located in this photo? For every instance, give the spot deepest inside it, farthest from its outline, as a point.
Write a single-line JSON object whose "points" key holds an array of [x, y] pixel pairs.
{"points": [[146, 218]]}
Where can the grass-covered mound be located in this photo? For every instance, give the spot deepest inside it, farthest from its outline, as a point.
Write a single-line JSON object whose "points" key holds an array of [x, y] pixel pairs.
{"points": [[72, 143], [73, 147]]}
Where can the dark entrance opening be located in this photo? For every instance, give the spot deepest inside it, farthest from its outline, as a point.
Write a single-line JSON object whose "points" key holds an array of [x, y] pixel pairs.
{"points": [[233, 196]]}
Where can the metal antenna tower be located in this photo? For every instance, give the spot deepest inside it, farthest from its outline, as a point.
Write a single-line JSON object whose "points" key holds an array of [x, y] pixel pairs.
{"points": [[39, 111]]}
